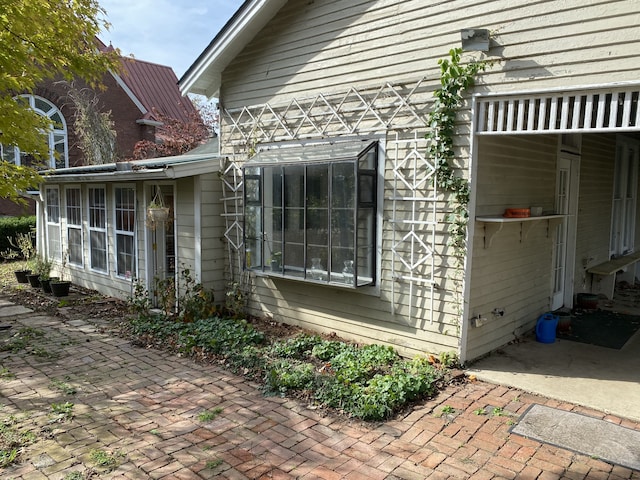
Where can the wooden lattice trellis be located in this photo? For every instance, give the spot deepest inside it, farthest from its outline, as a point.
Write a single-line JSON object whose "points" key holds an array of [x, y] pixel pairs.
{"points": [[397, 110]]}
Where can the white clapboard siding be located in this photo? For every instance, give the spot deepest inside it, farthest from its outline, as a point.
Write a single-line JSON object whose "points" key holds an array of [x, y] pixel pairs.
{"points": [[285, 84], [596, 194]]}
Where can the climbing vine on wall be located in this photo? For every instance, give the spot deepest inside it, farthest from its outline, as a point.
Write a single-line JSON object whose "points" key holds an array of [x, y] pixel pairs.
{"points": [[455, 80]]}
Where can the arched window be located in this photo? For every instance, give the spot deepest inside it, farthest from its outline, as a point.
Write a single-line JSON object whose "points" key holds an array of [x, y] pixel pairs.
{"points": [[57, 136]]}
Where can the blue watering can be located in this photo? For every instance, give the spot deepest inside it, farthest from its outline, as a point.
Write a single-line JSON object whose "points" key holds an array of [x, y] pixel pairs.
{"points": [[546, 328]]}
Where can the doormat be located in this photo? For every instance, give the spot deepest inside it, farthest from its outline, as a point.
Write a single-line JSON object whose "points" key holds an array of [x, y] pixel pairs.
{"points": [[586, 435], [602, 327]]}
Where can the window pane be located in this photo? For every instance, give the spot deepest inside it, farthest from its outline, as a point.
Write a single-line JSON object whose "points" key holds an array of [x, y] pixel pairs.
{"points": [[294, 259], [343, 185], [74, 212], [74, 238], [60, 150], [97, 208], [366, 190], [273, 237], [53, 235], [98, 243], [126, 255], [368, 161], [42, 104], [253, 245], [317, 186], [294, 220], [366, 245], [53, 205], [125, 209]]}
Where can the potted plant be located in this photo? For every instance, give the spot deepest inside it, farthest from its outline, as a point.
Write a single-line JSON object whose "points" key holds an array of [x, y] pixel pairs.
{"points": [[43, 269], [60, 286], [276, 261], [24, 243]]}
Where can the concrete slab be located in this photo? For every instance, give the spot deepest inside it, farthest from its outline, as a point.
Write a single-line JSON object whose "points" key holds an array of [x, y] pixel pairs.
{"points": [[13, 310], [580, 433], [601, 378]]}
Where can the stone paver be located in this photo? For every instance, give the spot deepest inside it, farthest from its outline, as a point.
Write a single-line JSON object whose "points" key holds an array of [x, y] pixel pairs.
{"points": [[142, 406]]}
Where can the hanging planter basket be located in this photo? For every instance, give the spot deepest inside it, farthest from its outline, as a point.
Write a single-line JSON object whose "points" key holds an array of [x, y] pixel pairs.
{"points": [[157, 214]]}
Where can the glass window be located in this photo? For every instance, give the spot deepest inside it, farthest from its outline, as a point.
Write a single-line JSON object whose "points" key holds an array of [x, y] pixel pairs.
{"points": [[310, 213], [56, 137], [125, 202], [74, 225], [52, 198], [97, 208]]}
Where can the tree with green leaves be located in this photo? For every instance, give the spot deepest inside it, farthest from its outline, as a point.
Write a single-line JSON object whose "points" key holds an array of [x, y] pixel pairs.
{"points": [[43, 40]]}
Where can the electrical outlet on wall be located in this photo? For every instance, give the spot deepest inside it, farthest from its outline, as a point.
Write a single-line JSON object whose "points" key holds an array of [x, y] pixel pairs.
{"points": [[478, 321]]}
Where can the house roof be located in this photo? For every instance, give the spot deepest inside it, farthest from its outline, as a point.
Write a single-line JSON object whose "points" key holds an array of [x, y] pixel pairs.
{"points": [[200, 160], [156, 86], [152, 86], [203, 77]]}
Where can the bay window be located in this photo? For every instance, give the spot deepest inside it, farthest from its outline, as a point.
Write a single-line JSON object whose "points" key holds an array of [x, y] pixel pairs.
{"points": [[310, 213]]}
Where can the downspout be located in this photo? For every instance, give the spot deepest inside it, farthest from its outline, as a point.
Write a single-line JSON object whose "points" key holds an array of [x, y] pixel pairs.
{"points": [[197, 226], [468, 263]]}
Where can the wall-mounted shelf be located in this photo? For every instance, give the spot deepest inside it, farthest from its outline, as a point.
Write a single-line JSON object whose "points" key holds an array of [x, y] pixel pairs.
{"points": [[493, 225]]}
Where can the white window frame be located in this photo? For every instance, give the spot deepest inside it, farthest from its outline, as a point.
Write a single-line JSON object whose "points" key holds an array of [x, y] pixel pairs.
{"points": [[74, 219], [57, 137], [97, 227], [52, 216], [624, 197], [125, 230], [321, 254]]}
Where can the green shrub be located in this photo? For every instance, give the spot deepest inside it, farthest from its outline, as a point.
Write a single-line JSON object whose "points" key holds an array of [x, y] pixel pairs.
{"points": [[10, 227]]}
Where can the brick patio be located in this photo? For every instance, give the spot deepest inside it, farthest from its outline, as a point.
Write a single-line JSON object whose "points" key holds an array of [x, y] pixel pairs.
{"points": [[143, 406]]}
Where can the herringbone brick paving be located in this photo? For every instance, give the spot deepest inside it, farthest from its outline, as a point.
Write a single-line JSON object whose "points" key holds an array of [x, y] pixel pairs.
{"points": [[143, 406]]}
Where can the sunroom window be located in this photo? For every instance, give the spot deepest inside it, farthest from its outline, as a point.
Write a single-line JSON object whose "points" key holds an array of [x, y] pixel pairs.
{"points": [[310, 213]]}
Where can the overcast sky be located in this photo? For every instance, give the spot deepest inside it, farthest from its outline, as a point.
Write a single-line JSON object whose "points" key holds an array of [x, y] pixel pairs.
{"points": [[167, 32]]}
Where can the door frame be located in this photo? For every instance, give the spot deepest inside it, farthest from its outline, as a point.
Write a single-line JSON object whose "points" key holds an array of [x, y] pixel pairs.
{"points": [[570, 222]]}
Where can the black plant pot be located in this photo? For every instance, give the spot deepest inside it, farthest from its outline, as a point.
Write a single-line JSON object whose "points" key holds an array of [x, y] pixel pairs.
{"points": [[46, 284], [21, 276], [34, 280], [60, 289]]}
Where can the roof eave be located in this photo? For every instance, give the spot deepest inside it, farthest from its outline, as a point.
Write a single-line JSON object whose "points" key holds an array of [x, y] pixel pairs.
{"points": [[204, 76], [157, 169]]}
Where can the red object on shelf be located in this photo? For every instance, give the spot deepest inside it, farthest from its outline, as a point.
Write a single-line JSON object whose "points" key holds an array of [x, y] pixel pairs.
{"points": [[517, 213]]}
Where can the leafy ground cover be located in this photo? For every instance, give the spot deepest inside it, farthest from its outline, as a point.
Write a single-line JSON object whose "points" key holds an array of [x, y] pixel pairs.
{"points": [[369, 382]]}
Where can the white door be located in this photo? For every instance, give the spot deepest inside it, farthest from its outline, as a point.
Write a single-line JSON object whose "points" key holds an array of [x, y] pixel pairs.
{"points": [[565, 236]]}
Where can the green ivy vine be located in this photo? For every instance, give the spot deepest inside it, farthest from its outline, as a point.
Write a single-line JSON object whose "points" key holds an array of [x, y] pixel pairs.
{"points": [[455, 80]]}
